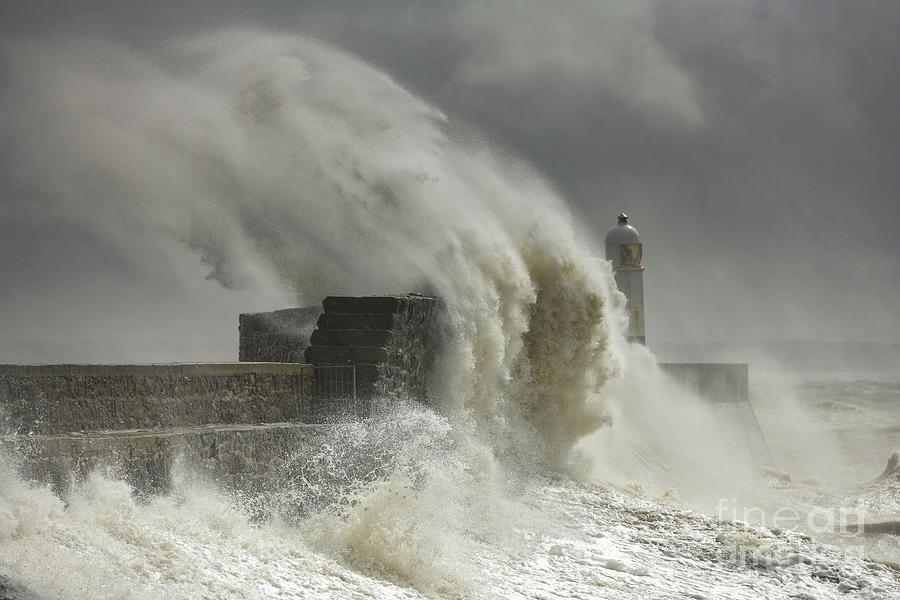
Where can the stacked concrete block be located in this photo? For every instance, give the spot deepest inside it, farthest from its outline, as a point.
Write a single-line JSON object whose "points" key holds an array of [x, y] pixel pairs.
{"points": [[392, 341], [243, 457], [280, 336]]}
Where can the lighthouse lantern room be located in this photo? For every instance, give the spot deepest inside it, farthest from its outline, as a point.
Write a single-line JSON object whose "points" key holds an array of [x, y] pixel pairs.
{"points": [[625, 251]]}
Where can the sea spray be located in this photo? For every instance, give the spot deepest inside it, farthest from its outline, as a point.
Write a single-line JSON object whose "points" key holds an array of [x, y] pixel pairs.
{"points": [[395, 498], [668, 441], [294, 169], [414, 507], [290, 167]]}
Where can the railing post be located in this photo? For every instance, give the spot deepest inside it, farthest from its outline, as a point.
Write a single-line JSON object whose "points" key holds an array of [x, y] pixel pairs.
{"points": [[355, 406]]}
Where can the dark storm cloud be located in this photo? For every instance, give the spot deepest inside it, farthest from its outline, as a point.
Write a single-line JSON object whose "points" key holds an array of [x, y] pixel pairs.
{"points": [[756, 143]]}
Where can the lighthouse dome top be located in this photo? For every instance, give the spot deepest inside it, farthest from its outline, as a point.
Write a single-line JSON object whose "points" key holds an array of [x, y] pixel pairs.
{"points": [[623, 233], [623, 247]]}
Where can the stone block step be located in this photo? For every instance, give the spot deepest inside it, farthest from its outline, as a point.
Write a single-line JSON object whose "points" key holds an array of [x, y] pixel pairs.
{"points": [[350, 337], [382, 321], [345, 355], [364, 304]]}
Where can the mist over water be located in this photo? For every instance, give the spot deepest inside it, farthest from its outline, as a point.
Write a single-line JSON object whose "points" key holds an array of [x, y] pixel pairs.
{"points": [[297, 171], [666, 440]]}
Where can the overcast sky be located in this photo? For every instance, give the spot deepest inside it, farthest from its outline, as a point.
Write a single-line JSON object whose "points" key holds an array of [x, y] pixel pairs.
{"points": [[756, 145]]}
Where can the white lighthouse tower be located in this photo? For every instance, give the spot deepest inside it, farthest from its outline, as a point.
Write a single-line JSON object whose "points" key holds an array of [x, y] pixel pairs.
{"points": [[625, 252]]}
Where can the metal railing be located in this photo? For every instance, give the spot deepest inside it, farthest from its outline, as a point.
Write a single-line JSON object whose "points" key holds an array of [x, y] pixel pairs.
{"points": [[329, 389]]}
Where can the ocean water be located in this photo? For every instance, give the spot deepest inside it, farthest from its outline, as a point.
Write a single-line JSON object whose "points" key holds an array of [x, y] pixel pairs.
{"points": [[403, 506], [855, 418], [834, 434]]}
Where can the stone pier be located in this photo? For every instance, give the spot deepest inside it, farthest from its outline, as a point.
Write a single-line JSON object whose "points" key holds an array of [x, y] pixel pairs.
{"points": [[231, 420]]}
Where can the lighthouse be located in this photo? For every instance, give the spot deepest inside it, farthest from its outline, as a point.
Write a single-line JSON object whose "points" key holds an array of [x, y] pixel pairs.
{"points": [[625, 252]]}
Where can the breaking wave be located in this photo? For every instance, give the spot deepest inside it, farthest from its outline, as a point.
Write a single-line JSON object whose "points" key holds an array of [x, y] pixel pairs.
{"points": [[289, 165]]}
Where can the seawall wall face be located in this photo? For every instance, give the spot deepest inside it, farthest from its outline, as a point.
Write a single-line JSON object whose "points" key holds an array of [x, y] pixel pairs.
{"points": [[395, 339], [239, 457], [234, 423], [53, 399], [714, 382]]}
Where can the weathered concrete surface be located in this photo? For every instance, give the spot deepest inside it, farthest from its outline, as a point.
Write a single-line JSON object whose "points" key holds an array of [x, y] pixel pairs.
{"points": [[363, 321], [351, 337], [50, 399], [159, 369], [237, 456], [280, 336], [11, 591]]}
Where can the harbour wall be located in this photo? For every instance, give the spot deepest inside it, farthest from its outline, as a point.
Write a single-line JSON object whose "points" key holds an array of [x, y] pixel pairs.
{"points": [[234, 422], [228, 421], [52, 399], [277, 336]]}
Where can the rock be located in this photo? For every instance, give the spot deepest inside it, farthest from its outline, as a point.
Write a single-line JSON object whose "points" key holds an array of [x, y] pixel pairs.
{"points": [[892, 469], [12, 591]]}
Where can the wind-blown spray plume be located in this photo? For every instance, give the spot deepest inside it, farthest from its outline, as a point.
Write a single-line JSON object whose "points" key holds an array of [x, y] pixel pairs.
{"points": [[287, 164]]}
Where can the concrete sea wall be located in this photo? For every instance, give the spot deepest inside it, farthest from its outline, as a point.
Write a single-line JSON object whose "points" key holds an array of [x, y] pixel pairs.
{"points": [[48, 399], [230, 421], [391, 341], [277, 336]]}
